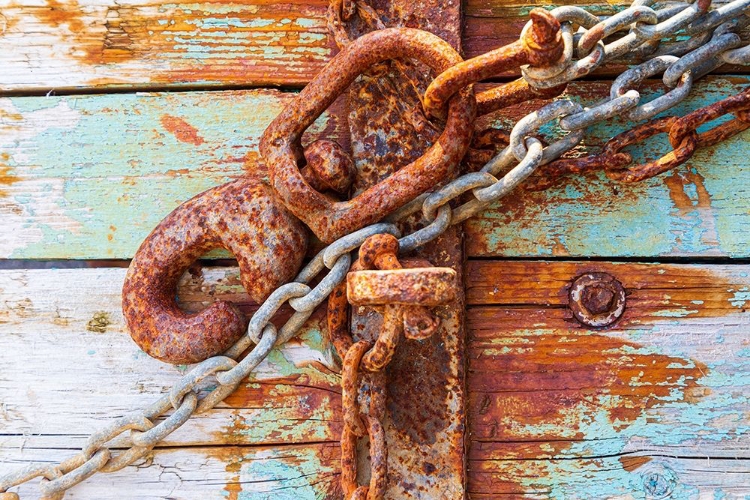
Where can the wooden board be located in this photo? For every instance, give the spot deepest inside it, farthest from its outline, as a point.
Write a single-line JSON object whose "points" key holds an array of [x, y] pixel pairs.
{"points": [[554, 409], [695, 210], [88, 177], [77, 172], [69, 367], [61, 45], [560, 409], [64, 44]]}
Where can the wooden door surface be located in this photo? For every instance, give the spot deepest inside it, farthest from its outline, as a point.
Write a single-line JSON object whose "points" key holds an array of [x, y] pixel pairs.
{"points": [[112, 113]]}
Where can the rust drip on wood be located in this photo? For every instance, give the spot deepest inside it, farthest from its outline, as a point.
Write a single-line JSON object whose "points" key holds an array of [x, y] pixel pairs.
{"points": [[182, 130]]}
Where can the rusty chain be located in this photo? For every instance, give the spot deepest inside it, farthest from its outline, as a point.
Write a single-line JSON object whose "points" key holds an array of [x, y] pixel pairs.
{"points": [[403, 292], [552, 54], [683, 137]]}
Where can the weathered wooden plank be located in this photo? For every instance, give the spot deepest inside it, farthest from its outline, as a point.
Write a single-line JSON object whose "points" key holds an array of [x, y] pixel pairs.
{"points": [[628, 477], [62, 44], [672, 377], [698, 209], [295, 472], [89, 176], [107, 44], [69, 366]]}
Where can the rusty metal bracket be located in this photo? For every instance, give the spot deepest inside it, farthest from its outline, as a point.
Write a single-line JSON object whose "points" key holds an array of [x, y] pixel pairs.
{"points": [[280, 145]]}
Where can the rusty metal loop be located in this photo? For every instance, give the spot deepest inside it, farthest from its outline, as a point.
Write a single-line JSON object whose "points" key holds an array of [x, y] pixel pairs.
{"points": [[350, 386], [543, 72], [685, 126], [328, 219], [679, 155], [540, 44], [380, 354]]}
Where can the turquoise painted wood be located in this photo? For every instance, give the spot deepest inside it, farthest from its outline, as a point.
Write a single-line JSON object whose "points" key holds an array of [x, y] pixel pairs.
{"points": [[88, 177], [572, 412], [699, 209]]}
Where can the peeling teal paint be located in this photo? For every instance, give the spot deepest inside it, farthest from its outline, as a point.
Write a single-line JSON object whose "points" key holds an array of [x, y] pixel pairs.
{"points": [[105, 170], [638, 220]]}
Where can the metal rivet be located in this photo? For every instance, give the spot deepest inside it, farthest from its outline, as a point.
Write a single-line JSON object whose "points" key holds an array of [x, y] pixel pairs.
{"points": [[597, 300]]}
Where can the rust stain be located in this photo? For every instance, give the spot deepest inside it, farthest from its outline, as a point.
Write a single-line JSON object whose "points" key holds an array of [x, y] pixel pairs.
{"points": [[632, 463], [99, 323], [576, 369], [182, 130], [233, 487], [676, 185], [59, 14], [6, 178]]}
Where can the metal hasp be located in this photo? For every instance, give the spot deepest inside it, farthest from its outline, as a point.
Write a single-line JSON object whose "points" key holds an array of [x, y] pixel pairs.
{"points": [[398, 297], [241, 216]]}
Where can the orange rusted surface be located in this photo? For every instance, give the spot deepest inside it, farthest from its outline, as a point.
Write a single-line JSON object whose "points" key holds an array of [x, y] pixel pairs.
{"points": [[425, 434], [182, 130], [543, 389]]}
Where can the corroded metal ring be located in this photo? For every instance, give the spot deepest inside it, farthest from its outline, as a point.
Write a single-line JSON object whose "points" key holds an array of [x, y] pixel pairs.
{"points": [[597, 300], [279, 146]]}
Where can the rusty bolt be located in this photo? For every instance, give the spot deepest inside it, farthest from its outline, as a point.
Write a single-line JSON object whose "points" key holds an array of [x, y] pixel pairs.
{"points": [[329, 167], [597, 300]]}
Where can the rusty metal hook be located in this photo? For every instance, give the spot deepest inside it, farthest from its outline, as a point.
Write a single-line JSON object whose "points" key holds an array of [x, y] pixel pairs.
{"points": [[241, 216], [279, 146]]}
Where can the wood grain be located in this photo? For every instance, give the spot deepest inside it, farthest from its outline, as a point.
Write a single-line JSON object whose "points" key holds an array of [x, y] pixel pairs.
{"points": [[61, 45], [555, 410], [69, 367], [695, 210], [64, 44], [669, 379], [88, 177], [293, 472]]}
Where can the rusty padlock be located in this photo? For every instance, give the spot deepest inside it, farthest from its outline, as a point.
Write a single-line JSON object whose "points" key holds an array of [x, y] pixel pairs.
{"points": [[243, 217], [282, 151]]}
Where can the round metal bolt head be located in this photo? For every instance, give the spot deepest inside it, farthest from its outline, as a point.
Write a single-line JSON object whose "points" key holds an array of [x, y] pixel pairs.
{"points": [[597, 300], [426, 286], [330, 166]]}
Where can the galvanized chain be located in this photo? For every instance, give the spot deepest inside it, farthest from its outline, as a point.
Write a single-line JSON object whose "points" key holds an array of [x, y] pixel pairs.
{"points": [[683, 137], [212, 380], [205, 386], [647, 27]]}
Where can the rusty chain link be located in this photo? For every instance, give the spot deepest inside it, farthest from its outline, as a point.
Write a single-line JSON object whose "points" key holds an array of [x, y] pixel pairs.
{"points": [[683, 137], [550, 54]]}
